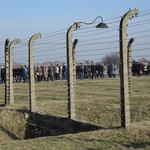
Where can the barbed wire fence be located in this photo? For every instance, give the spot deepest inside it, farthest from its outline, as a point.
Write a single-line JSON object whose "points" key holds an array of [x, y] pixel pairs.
{"points": [[89, 53], [20, 59], [92, 103], [139, 29], [50, 51]]}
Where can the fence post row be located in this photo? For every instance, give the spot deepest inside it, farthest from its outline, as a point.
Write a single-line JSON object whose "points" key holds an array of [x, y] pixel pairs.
{"points": [[125, 70], [124, 80], [70, 78], [129, 61], [11, 92], [32, 103]]}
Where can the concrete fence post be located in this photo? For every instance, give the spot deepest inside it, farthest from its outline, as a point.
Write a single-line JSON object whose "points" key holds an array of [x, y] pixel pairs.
{"points": [[11, 92], [129, 59], [124, 71], [74, 65], [70, 75], [7, 42], [32, 103]]}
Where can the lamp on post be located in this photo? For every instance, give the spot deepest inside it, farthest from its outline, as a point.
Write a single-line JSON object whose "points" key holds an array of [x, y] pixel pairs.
{"points": [[100, 25], [70, 65]]}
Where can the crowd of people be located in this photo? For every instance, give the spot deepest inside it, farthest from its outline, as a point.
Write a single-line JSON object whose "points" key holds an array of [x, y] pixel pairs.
{"points": [[94, 70], [19, 74], [139, 68], [83, 71], [59, 72], [50, 73]]}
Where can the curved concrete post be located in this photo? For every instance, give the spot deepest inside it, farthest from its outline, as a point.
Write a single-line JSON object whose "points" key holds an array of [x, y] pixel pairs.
{"points": [[130, 64], [7, 42], [11, 92], [124, 81], [32, 103], [70, 78]]}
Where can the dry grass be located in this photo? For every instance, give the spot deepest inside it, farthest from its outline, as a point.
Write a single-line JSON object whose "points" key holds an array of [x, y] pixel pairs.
{"points": [[97, 101]]}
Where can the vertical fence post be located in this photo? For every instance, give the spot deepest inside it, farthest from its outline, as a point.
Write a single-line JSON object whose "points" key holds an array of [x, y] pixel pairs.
{"points": [[32, 104], [130, 64], [7, 71], [70, 78], [124, 81], [11, 92], [74, 65]]}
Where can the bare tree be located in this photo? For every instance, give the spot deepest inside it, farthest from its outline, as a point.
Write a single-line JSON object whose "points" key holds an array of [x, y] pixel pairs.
{"points": [[112, 58]]}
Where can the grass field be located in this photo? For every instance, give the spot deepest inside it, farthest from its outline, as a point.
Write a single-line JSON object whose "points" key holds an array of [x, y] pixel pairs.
{"points": [[97, 101]]}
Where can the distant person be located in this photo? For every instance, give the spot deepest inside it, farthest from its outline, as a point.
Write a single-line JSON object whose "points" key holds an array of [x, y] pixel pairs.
{"points": [[101, 71], [57, 72], [3, 74], [39, 73], [112, 70], [64, 71], [93, 70], [50, 76], [25, 73]]}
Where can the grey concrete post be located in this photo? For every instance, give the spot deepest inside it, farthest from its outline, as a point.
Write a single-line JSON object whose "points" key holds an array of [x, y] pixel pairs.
{"points": [[74, 65], [7, 42], [124, 81], [130, 64], [32, 103], [70, 78], [11, 92]]}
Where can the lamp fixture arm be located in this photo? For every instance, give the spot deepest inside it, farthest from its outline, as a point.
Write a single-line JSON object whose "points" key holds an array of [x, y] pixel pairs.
{"points": [[93, 21]]}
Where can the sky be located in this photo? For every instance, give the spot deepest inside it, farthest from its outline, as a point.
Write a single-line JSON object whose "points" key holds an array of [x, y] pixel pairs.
{"points": [[23, 18]]}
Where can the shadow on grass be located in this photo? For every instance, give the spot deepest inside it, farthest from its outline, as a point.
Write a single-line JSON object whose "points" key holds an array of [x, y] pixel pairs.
{"points": [[50, 125], [2, 105], [135, 145], [130, 145], [9, 133], [41, 125], [17, 110], [121, 144]]}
